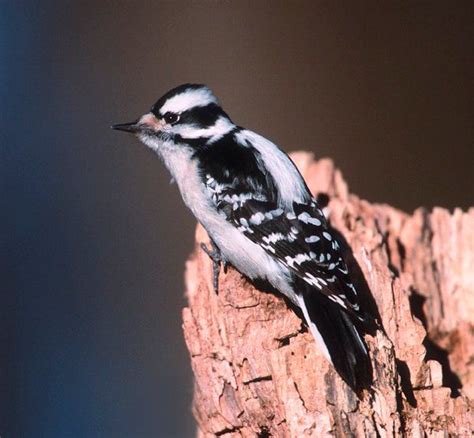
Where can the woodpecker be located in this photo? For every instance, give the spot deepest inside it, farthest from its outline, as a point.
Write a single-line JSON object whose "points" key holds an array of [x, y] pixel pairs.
{"points": [[261, 218]]}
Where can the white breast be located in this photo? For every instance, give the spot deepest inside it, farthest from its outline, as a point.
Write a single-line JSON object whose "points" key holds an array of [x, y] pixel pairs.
{"points": [[246, 256]]}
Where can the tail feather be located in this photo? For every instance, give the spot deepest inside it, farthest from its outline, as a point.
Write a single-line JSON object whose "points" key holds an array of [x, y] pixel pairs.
{"points": [[338, 338]]}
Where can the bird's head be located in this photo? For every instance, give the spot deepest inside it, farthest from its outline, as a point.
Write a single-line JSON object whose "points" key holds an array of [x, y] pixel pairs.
{"points": [[185, 115]]}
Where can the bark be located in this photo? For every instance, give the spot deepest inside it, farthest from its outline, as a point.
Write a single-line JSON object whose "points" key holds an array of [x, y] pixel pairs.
{"points": [[258, 371]]}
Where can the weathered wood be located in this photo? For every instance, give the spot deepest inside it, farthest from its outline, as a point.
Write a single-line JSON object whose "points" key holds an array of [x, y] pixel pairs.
{"points": [[258, 372]]}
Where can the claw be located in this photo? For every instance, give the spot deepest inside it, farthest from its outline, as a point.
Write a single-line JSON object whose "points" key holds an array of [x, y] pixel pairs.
{"points": [[216, 257]]}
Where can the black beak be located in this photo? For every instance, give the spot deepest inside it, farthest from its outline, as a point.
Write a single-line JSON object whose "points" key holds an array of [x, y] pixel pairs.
{"points": [[133, 127]]}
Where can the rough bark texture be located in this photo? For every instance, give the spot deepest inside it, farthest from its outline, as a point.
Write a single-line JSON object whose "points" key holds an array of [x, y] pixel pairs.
{"points": [[257, 369]]}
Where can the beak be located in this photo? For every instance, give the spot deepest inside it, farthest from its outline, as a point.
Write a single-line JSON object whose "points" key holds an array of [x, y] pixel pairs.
{"points": [[132, 127], [147, 123]]}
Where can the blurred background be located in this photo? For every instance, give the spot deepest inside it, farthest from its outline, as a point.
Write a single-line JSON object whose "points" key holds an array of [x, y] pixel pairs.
{"points": [[94, 239]]}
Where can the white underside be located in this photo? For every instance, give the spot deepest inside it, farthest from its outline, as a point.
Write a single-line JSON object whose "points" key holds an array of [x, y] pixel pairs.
{"points": [[246, 256]]}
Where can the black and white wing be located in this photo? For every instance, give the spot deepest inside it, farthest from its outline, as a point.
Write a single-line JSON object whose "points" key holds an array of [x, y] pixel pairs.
{"points": [[297, 236], [299, 239]]}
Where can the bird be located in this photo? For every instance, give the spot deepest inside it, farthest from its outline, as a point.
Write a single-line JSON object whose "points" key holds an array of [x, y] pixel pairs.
{"points": [[261, 219]]}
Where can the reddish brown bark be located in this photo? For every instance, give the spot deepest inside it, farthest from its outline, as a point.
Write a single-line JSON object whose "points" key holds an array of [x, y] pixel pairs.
{"points": [[258, 372]]}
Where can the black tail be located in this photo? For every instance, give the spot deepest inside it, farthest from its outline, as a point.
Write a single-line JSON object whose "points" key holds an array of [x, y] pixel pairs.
{"points": [[342, 338]]}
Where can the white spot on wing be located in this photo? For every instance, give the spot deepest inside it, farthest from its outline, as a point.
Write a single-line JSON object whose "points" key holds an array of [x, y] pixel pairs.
{"points": [[274, 213], [311, 239], [351, 286], [327, 235], [338, 300], [344, 271], [257, 218], [307, 219], [311, 279], [298, 259], [269, 248], [273, 237]]}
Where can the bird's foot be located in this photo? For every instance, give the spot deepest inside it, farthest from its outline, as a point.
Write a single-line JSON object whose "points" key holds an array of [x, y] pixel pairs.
{"points": [[216, 257]]}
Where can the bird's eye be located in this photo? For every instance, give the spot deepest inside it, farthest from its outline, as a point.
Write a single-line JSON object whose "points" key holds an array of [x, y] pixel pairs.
{"points": [[171, 118]]}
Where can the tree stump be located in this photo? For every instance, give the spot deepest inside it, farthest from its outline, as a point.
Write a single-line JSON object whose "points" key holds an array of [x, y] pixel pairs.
{"points": [[258, 371]]}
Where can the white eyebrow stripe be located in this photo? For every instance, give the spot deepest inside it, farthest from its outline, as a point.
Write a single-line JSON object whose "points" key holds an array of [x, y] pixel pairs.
{"points": [[221, 127], [188, 99]]}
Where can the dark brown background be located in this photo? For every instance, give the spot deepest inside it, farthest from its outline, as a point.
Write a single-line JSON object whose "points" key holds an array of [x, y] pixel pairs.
{"points": [[94, 239]]}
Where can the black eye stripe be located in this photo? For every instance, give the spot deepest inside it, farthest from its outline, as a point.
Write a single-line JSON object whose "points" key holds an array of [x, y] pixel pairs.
{"points": [[198, 116], [202, 115], [171, 118]]}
